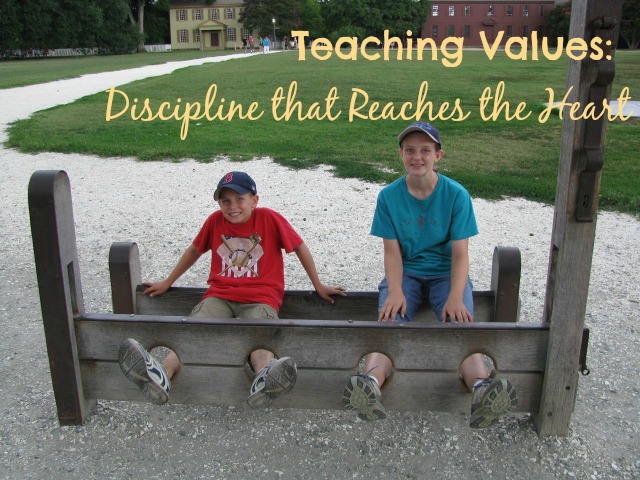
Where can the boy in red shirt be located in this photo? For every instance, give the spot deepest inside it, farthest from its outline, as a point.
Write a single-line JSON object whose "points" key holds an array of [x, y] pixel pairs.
{"points": [[246, 281]]}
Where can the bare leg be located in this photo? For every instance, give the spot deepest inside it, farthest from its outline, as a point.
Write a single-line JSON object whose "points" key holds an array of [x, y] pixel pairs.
{"points": [[171, 363], [260, 359], [472, 369], [378, 365]]}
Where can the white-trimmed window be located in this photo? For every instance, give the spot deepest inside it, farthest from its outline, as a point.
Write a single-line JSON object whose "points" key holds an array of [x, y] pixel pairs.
{"points": [[525, 31], [467, 10], [213, 14], [489, 10], [525, 11], [509, 31], [197, 14], [183, 36], [434, 11], [196, 35], [229, 14], [245, 33], [509, 10], [231, 34], [182, 15], [452, 10], [434, 31]]}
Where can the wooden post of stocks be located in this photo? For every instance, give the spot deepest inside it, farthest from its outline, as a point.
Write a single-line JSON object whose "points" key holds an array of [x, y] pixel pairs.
{"points": [[126, 275], [574, 223], [56, 257]]}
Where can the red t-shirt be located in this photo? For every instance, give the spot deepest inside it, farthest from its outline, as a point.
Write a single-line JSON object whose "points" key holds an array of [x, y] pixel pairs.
{"points": [[246, 259]]}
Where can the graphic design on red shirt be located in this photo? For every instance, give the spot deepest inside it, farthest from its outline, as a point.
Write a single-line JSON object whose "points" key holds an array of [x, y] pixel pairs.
{"points": [[240, 256]]}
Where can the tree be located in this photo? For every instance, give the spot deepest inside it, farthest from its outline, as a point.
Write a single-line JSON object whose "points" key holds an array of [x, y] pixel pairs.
{"points": [[288, 14], [558, 22], [258, 14], [372, 17], [311, 18], [115, 35], [345, 18], [138, 7], [81, 24], [150, 19], [10, 26], [560, 17], [630, 25], [156, 23]]}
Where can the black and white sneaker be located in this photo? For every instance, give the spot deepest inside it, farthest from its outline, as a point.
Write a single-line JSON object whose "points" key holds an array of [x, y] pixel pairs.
{"points": [[147, 373], [278, 378]]}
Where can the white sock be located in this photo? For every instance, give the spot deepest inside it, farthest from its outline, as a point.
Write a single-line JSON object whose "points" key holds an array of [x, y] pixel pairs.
{"points": [[478, 383], [374, 379]]}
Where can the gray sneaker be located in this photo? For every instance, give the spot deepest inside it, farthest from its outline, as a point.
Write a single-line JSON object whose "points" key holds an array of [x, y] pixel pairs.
{"points": [[491, 399], [363, 395], [147, 373], [277, 378]]}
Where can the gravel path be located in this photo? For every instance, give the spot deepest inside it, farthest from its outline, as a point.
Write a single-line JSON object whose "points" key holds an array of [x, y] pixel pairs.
{"points": [[169, 202]]}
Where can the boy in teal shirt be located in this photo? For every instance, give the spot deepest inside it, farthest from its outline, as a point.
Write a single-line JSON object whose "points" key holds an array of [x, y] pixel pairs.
{"points": [[425, 220]]}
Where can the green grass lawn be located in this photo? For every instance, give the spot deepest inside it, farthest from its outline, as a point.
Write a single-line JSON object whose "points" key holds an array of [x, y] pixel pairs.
{"points": [[491, 158], [28, 72]]}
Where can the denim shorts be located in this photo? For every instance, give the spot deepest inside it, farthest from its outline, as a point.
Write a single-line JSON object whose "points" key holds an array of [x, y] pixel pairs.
{"points": [[416, 288]]}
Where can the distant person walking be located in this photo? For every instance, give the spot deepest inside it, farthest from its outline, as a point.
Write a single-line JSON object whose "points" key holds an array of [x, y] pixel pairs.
{"points": [[267, 44], [251, 43]]}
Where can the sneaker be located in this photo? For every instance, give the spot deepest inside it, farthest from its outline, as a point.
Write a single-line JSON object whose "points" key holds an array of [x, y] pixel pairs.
{"points": [[491, 399], [362, 394], [277, 378], [146, 372]]}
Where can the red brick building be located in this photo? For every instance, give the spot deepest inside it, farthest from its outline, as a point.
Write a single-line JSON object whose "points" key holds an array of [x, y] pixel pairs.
{"points": [[467, 18]]}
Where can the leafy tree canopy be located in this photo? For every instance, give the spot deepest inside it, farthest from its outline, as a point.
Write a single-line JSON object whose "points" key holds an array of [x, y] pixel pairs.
{"points": [[80, 24], [630, 25], [559, 20], [362, 18], [288, 15]]}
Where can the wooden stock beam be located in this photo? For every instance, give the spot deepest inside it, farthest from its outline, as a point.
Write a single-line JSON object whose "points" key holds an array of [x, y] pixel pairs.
{"points": [[574, 225]]}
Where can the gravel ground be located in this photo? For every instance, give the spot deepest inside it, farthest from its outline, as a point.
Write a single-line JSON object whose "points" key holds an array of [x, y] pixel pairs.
{"points": [[169, 202]]}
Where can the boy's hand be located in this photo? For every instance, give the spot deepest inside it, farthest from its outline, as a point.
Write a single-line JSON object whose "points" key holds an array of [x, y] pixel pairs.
{"points": [[394, 304], [325, 292], [455, 311], [156, 288]]}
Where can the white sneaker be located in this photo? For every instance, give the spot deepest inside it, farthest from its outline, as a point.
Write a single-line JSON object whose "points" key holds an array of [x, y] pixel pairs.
{"points": [[277, 378], [147, 373]]}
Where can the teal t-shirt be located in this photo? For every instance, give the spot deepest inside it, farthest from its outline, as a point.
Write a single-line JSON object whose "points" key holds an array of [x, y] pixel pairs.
{"points": [[425, 228]]}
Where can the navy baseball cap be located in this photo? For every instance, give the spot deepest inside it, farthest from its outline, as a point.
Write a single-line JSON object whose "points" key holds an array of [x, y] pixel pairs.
{"points": [[238, 181], [427, 128]]}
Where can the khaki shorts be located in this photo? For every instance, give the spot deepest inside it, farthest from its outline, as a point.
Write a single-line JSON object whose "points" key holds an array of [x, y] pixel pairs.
{"points": [[213, 307]]}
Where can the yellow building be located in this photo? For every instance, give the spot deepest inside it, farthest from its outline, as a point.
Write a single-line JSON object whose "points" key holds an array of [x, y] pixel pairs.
{"points": [[203, 26]]}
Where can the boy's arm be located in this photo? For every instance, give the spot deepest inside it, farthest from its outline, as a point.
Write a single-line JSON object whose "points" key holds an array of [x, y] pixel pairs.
{"points": [[396, 301], [306, 260], [454, 309], [188, 258]]}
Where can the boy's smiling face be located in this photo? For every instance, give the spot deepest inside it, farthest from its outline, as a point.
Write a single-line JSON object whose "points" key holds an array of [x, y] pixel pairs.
{"points": [[419, 153], [236, 207]]}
